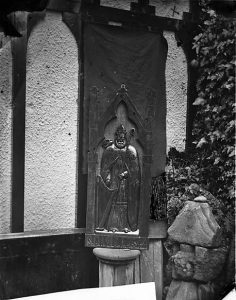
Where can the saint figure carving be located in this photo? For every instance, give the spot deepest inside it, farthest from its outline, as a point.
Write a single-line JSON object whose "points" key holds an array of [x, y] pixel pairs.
{"points": [[118, 185]]}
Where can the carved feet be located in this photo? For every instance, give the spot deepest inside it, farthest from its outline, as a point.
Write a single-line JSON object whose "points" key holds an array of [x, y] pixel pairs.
{"points": [[114, 229]]}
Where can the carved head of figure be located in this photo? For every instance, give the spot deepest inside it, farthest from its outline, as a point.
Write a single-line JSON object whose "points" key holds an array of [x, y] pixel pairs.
{"points": [[120, 137]]}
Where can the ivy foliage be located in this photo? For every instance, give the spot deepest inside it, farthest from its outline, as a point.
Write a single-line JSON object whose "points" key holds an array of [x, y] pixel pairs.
{"points": [[211, 162]]}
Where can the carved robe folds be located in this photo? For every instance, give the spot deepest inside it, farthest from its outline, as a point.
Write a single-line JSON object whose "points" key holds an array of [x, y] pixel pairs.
{"points": [[118, 189], [118, 194]]}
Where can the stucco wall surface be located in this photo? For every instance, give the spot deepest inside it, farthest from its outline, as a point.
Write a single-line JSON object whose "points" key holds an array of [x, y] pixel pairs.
{"points": [[51, 126], [176, 75], [5, 133], [176, 94], [176, 70]]}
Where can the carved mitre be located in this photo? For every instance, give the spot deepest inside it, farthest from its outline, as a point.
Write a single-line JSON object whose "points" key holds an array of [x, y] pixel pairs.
{"points": [[120, 130], [121, 133]]}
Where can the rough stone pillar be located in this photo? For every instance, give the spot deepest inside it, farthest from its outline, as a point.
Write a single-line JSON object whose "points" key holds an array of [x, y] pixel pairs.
{"points": [[198, 255], [116, 266]]}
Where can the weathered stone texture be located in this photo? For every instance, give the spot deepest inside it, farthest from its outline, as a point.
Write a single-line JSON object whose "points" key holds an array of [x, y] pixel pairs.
{"points": [[205, 292], [230, 263], [186, 248], [208, 263], [196, 225], [171, 247], [201, 199], [181, 290], [183, 265]]}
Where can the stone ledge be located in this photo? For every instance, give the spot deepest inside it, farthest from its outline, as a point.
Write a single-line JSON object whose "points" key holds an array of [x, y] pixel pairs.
{"points": [[116, 256]]}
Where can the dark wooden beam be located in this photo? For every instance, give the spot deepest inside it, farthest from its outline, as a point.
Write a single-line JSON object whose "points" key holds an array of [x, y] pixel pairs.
{"points": [[71, 6], [142, 7], [7, 27], [105, 15], [75, 24], [10, 6], [82, 167], [19, 49], [24, 24]]}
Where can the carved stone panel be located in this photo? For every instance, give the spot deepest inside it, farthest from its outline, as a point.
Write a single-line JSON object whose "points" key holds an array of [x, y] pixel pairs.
{"points": [[119, 162]]}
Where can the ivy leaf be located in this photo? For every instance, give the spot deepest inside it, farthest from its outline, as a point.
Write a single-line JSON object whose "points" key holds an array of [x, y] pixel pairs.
{"points": [[211, 161], [230, 149], [231, 192], [207, 22], [199, 101], [217, 160], [201, 142], [194, 63], [211, 13], [232, 153], [230, 126], [197, 37], [217, 133], [229, 86]]}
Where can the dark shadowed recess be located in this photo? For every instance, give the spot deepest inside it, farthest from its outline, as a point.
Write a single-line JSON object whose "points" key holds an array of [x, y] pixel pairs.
{"points": [[33, 263]]}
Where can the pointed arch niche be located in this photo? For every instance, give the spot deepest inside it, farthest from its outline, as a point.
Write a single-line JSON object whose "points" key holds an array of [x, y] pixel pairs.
{"points": [[121, 118], [102, 130]]}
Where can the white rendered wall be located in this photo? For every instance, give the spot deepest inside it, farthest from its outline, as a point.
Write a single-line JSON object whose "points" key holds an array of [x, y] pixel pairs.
{"points": [[5, 133], [176, 94], [51, 126], [176, 70], [176, 75]]}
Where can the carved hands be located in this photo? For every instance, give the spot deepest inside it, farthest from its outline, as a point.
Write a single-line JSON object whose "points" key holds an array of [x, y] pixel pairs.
{"points": [[123, 175], [108, 180]]}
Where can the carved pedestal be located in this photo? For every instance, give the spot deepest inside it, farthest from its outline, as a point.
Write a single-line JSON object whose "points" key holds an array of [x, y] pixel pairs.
{"points": [[116, 266]]}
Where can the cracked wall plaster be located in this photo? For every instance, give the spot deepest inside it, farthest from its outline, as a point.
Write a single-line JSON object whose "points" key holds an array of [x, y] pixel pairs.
{"points": [[5, 133], [51, 126]]}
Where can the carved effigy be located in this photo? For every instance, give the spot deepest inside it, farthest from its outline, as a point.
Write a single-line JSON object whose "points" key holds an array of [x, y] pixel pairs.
{"points": [[119, 159], [118, 185]]}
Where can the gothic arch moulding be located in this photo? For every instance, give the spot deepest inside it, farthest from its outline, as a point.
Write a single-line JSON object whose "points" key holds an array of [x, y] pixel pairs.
{"points": [[119, 159]]}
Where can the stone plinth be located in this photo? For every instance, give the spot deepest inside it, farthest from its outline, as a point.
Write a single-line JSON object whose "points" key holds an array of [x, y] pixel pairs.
{"points": [[200, 258], [209, 263], [116, 266]]}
